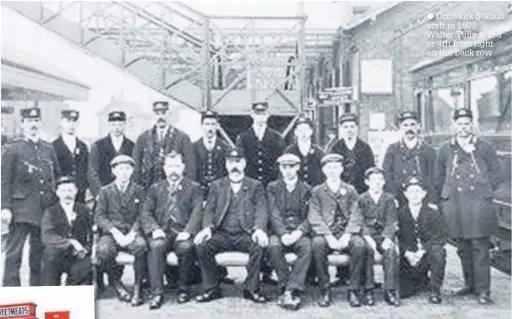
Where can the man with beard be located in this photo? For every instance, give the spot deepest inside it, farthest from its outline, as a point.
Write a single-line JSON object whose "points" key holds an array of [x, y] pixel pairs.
{"points": [[409, 157], [149, 153], [29, 169], [210, 153], [288, 203], [117, 216], [467, 174], [170, 218], [67, 238], [72, 152], [235, 218], [358, 157], [262, 146]]}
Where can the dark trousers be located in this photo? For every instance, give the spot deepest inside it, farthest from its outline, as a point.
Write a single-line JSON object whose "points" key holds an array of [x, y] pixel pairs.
{"points": [[107, 249], [57, 261], [15, 240], [359, 252], [220, 242], [476, 263], [158, 250], [416, 279], [294, 279], [390, 264]]}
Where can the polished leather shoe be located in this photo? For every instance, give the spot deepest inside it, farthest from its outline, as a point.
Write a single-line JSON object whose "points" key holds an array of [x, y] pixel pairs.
{"points": [[484, 299], [326, 299], [137, 299], [466, 291], [267, 279], [339, 282], [435, 298], [368, 298], [121, 292], [227, 281], [209, 295], [184, 296], [289, 301], [254, 296], [353, 299], [391, 298], [156, 302]]}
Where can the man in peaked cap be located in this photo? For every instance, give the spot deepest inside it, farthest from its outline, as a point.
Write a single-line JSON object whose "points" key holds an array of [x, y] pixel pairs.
{"points": [[289, 228], [29, 169], [235, 218], [410, 156], [72, 152], [467, 174]]}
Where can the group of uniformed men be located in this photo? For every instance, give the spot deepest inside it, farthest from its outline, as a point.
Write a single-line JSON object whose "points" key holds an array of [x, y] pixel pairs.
{"points": [[164, 193]]}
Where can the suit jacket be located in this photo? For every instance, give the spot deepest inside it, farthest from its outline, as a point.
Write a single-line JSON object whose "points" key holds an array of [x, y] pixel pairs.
{"points": [[120, 210], [56, 231], [354, 168], [211, 165], [430, 229], [310, 167], [276, 192], [28, 179], [156, 212], [323, 206], [261, 156], [102, 153], [253, 198], [73, 163], [144, 149], [379, 218]]}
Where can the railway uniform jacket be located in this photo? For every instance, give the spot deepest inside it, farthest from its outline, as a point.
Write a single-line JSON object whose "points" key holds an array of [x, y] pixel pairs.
{"points": [[102, 153], [56, 231], [147, 157], [281, 220], [211, 165], [161, 211], [262, 155], [310, 166], [401, 162], [380, 219], [466, 182], [324, 205], [120, 210], [355, 162], [253, 198], [29, 171], [73, 163]]}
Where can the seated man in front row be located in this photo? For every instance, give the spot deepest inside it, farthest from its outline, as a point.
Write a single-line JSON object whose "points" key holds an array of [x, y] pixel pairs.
{"points": [[337, 223], [288, 203], [117, 215], [170, 218], [66, 233], [235, 218], [422, 236]]}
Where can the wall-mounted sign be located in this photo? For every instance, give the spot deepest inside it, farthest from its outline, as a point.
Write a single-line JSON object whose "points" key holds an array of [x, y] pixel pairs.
{"points": [[376, 76], [335, 96]]}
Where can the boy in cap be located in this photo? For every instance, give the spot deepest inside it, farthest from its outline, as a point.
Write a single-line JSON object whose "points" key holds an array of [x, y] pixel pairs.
{"points": [[72, 152], [66, 236], [288, 203], [422, 235], [380, 225], [117, 215], [29, 169], [336, 221]]}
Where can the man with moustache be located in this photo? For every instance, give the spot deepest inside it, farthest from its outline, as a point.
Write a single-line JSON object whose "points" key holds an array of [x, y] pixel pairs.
{"points": [[72, 152], [210, 153], [66, 233], [235, 218], [410, 156], [170, 218], [358, 157], [467, 174], [29, 169]]}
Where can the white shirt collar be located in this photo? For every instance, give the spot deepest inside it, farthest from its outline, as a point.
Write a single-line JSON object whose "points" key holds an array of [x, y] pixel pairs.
{"points": [[411, 143], [117, 141], [236, 187], [70, 141], [68, 209], [209, 142], [118, 185], [415, 210], [375, 197], [304, 147], [334, 186], [259, 130], [350, 143], [291, 184]]}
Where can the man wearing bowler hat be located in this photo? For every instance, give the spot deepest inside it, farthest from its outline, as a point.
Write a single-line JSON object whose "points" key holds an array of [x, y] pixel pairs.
{"points": [[72, 152], [29, 169], [467, 174]]}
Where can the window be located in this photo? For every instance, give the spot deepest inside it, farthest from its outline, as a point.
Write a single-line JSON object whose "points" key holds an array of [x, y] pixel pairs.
{"points": [[490, 100], [444, 102]]}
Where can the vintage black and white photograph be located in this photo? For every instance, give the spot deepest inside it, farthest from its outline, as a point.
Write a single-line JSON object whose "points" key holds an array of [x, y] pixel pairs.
{"points": [[260, 159]]}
